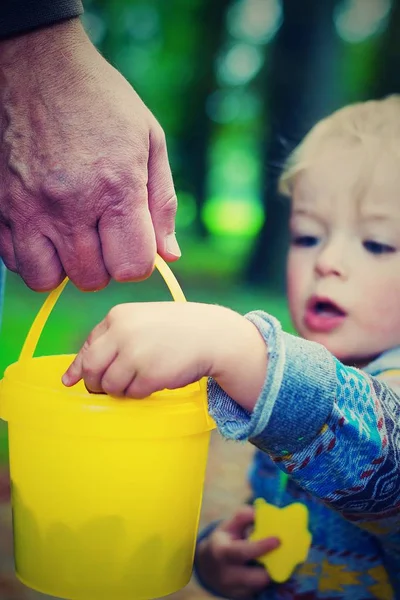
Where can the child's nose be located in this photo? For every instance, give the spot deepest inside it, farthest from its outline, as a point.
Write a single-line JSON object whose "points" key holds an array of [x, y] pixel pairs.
{"points": [[331, 261]]}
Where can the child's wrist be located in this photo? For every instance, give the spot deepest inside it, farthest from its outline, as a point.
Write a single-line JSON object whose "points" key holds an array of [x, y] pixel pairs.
{"points": [[240, 362]]}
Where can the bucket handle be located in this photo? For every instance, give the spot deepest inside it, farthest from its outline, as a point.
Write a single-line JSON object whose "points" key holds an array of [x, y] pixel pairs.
{"points": [[32, 339], [40, 320]]}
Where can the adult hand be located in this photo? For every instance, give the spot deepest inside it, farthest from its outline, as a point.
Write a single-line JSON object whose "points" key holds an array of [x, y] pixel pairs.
{"points": [[86, 187], [222, 559]]}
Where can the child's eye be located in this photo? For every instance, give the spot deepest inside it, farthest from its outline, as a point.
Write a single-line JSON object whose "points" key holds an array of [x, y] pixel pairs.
{"points": [[305, 241], [377, 247]]}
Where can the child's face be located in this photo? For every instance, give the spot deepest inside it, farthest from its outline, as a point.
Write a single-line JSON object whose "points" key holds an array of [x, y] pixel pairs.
{"points": [[344, 259]]}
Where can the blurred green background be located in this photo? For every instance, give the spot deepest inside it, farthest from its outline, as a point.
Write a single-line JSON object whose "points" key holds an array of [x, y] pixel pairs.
{"points": [[235, 84]]}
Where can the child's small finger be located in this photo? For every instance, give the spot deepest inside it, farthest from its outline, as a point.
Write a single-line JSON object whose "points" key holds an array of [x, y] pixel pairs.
{"points": [[97, 359], [243, 551], [240, 522], [118, 376], [252, 579], [97, 332], [74, 372], [260, 547]]}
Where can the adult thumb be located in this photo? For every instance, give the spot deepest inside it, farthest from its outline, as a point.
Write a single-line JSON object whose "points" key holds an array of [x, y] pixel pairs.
{"points": [[162, 197]]}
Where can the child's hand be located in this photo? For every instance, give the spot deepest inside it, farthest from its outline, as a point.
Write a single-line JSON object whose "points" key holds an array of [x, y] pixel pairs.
{"points": [[222, 559], [141, 348]]}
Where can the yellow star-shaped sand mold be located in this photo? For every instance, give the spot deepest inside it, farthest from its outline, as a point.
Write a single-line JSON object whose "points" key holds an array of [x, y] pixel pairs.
{"points": [[290, 525]]}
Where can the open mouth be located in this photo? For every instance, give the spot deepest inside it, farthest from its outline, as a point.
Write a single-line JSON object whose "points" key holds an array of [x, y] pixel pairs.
{"points": [[325, 307], [323, 315]]}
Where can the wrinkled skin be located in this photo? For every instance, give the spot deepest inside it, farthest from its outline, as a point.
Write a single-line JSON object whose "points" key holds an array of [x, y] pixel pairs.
{"points": [[86, 188]]}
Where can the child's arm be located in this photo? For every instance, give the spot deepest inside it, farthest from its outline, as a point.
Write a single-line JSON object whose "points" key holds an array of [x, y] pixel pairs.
{"points": [[334, 428], [144, 347], [392, 378]]}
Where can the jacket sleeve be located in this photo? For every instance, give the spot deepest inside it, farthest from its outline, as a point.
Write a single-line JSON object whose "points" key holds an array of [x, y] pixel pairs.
{"points": [[392, 378], [19, 16], [332, 428]]}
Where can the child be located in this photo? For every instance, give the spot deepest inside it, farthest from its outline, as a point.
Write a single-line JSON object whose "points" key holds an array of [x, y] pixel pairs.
{"points": [[323, 407]]}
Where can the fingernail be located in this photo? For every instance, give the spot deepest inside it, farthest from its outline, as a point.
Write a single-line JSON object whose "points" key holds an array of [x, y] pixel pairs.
{"points": [[172, 245], [66, 379]]}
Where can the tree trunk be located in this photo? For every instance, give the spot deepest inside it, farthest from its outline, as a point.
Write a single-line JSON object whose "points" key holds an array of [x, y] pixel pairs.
{"points": [[302, 87], [194, 138], [387, 80]]}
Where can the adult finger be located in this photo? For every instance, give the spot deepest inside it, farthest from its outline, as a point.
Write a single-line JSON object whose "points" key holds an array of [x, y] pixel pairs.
{"points": [[162, 197], [81, 256], [127, 238], [37, 261], [7, 247]]}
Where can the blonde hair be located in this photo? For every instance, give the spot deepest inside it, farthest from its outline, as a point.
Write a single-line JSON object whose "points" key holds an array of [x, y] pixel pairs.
{"points": [[375, 123]]}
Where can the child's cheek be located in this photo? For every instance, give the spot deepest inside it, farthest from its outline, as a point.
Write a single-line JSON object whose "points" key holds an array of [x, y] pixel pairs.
{"points": [[387, 305], [295, 286], [379, 304], [295, 273]]}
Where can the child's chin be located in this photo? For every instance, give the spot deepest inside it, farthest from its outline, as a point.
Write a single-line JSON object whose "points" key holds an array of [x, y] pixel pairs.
{"points": [[355, 359]]}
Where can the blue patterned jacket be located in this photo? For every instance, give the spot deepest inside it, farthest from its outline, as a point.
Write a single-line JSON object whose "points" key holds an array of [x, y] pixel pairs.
{"points": [[336, 431]]}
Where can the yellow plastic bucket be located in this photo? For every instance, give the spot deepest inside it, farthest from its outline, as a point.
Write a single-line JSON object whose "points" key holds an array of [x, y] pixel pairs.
{"points": [[106, 493]]}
